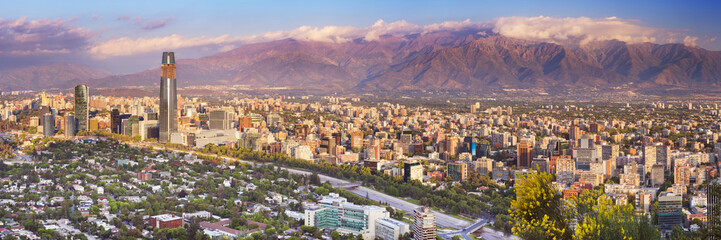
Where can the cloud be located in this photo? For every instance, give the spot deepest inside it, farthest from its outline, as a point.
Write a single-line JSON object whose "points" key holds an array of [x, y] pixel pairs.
{"points": [[690, 41], [122, 18], [155, 24], [125, 46], [580, 30], [41, 37], [456, 26], [329, 34]]}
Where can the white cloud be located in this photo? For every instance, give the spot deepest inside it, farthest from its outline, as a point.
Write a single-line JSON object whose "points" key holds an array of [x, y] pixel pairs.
{"points": [[125, 46], [690, 41], [580, 30]]}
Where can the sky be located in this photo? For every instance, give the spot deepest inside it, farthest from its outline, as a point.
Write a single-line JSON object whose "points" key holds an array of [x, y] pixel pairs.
{"points": [[129, 36]]}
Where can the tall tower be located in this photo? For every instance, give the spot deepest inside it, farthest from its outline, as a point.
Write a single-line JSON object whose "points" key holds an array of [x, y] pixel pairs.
{"points": [[82, 98], [168, 98]]}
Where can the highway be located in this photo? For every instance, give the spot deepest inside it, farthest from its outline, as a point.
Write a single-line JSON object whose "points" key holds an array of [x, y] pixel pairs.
{"points": [[464, 233], [442, 219]]}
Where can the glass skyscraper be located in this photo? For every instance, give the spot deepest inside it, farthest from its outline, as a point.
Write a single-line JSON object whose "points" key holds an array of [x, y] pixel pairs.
{"points": [[168, 118], [82, 98]]}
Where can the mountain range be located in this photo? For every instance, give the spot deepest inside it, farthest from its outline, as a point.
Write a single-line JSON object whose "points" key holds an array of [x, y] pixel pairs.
{"points": [[463, 60]]}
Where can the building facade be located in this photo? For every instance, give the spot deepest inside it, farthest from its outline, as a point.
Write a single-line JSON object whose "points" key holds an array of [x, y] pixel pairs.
{"points": [[82, 100], [168, 118], [424, 224]]}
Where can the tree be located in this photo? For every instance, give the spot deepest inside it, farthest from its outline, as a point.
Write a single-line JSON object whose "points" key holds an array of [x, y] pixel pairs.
{"points": [[335, 235], [538, 211], [610, 221]]}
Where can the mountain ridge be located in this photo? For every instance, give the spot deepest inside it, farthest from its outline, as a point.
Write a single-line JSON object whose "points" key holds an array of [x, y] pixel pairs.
{"points": [[463, 60]]}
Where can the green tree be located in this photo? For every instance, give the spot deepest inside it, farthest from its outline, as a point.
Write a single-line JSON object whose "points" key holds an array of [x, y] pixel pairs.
{"points": [[610, 221], [538, 210], [335, 235]]}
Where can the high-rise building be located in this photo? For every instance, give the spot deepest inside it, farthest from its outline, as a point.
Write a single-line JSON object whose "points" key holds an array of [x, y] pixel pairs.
{"points": [[484, 165], [244, 122], [82, 99], [713, 206], [219, 120], [574, 133], [70, 125], [412, 171], [586, 152], [356, 139], [424, 224], [565, 170], [48, 128], [662, 156], [327, 144], [669, 210], [115, 121], [524, 152], [649, 157], [458, 171], [168, 98], [657, 177]]}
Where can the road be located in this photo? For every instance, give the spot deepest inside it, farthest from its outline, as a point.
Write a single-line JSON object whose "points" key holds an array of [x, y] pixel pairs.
{"points": [[464, 233], [442, 219]]}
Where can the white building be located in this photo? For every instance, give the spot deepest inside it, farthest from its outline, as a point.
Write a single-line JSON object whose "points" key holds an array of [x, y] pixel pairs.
{"points": [[391, 229]]}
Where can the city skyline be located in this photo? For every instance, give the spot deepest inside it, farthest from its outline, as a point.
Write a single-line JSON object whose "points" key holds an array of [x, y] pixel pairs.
{"points": [[349, 120]]}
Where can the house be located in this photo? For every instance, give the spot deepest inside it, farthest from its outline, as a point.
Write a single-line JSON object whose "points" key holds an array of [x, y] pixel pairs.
{"points": [[166, 221]]}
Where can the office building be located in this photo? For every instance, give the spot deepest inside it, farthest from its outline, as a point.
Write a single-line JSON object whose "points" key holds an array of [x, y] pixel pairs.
{"points": [[586, 152], [336, 213], [424, 224], [327, 144], [82, 100], [219, 120], [669, 210], [391, 229], [48, 128], [70, 125], [458, 171], [524, 152], [662, 156], [412, 171], [168, 118], [115, 121]]}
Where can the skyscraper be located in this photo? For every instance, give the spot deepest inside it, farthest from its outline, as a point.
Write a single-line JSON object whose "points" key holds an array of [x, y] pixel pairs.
{"points": [[82, 98], [115, 121], [48, 128], [168, 98]]}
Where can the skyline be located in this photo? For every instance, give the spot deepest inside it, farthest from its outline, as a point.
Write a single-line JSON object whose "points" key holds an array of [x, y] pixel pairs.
{"points": [[122, 38]]}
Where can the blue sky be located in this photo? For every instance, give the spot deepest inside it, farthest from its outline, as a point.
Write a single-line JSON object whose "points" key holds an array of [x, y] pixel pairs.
{"points": [[105, 21]]}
